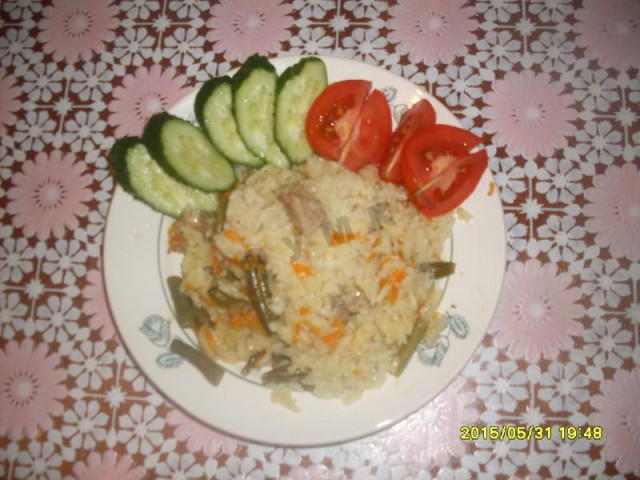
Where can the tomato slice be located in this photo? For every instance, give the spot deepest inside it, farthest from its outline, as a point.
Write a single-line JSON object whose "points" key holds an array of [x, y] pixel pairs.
{"points": [[371, 135], [333, 115], [421, 114], [438, 168]]}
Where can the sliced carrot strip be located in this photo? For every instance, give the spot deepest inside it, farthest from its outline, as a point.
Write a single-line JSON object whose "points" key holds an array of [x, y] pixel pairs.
{"points": [[302, 269], [333, 337], [338, 238], [245, 319], [177, 240], [295, 338], [233, 236], [394, 279]]}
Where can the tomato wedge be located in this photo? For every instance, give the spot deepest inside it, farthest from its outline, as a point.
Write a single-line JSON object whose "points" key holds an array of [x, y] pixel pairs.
{"points": [[421, 114], [438, 168], [333, 115], [371, 134]]}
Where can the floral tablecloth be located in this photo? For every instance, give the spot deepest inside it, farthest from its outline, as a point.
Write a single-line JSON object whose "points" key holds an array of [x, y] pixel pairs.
{"points": [[552, 85]]}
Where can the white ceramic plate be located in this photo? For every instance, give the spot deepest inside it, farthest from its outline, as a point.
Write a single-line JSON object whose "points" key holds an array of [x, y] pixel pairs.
{"points": [[136, 262]]}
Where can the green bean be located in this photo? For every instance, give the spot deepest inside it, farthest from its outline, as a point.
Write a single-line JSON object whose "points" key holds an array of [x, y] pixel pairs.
{"points": [[225, 300], [258, 288], [254, 359], [188, 315], [438, 269], [220, 215], [408, 348], [282, 375], [205, 365]]}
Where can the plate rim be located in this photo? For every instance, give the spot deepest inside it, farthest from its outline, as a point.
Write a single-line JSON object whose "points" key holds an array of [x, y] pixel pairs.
{"points": [[338, 439]]}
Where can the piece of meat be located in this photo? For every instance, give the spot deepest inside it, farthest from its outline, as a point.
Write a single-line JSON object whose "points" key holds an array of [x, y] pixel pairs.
{"points": [[196, 220], [350, 302], [305, 211]]}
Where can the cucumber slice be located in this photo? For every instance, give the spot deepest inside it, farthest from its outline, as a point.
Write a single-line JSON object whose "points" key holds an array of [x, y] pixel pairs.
{"points": [[185, 153], [214, 110], [139, 174], [254, 95], [296, 89]]}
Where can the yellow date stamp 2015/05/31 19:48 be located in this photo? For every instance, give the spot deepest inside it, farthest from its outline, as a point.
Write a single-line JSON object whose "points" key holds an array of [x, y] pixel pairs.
{"points": [[529, 432]]}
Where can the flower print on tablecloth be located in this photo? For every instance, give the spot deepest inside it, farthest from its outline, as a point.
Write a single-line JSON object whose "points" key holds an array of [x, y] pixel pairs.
{"points": [[95, 305], [21, 10], [76, 29], [538, 313], [564, 387], [610, 32], [617, 411], [498, 50], [312, 41], [36, 129], [547, 11], [553, 52], [85, 424], [85, 132], [561, 238], [43, 83], [500, 385], [608, 343], [65, 262], [313, 472], [600, 142], [460, 87], [605, 282], [497, 11], [9, 102], [31, 387], [58, 321], [141, 429], [17, 48], [107, 466], [509, 177], [140, 9], [432, 35], [240, 29], [17, 258], [516, 236], [368, 9], [177, 465], [613, 210], [92, 81], [366, 45], [559, 180], [49, 194], [91, 364], [38, 461], [142, 94], [13, 315], [432, 435], [192, 10], [200, 437], [185, 47], [135, 47], [529, 114], [596, 90]]}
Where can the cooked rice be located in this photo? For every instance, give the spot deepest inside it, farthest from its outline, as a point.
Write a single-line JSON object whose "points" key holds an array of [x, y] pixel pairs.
{"points": [[368, 248]]}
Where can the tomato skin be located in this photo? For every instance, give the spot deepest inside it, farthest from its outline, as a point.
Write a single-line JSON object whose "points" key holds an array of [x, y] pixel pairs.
{"points": [[371, 134], [438, 170], [333, 115], [421, 114]]}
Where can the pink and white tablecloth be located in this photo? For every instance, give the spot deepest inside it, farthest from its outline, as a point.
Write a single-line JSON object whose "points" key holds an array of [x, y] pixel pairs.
{"points": [[552, 85]]}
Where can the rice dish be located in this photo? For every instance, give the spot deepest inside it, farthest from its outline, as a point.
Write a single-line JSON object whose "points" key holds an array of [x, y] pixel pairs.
{"points": [[341, 251]]}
